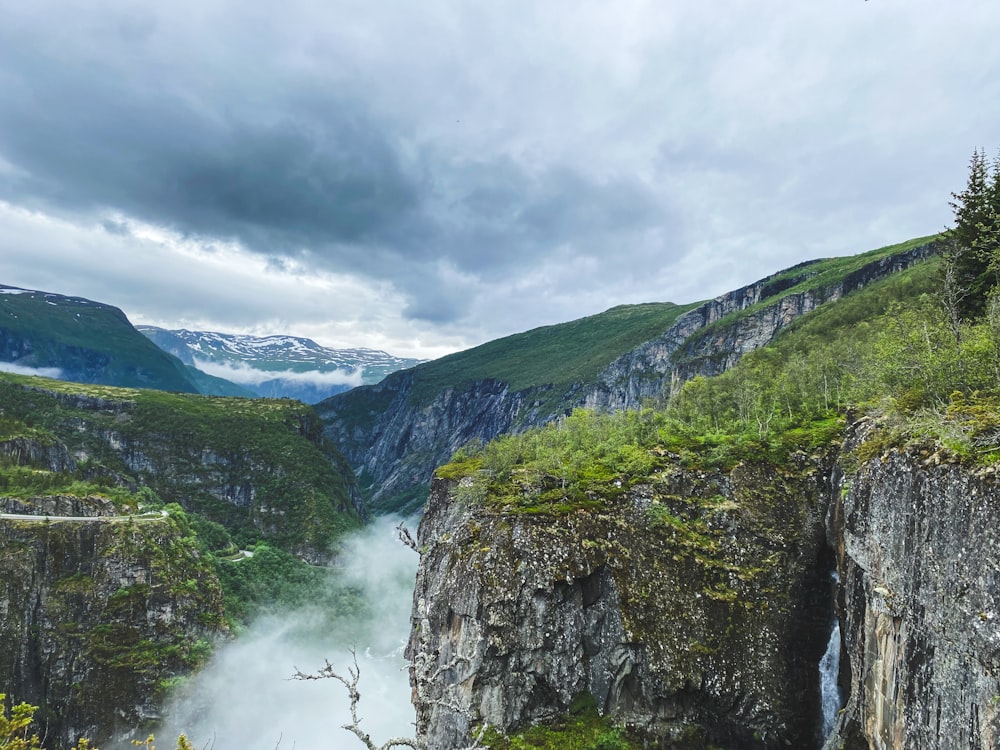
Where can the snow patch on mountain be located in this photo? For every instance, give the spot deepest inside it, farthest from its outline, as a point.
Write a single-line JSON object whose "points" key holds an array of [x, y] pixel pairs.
{"points": [[278, 366]]}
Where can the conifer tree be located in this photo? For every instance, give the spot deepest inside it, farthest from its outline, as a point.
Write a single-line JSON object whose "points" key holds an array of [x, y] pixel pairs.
{"points": [[976, 235]]}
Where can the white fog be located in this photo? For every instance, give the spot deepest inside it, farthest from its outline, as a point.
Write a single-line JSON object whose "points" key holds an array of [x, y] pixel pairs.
{"points": [[245, 698]]}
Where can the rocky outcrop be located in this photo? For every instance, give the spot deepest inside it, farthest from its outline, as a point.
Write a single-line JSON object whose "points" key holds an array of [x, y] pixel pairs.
{"points": [[96, 617], [24, 451], [918, 547], [395, 437], [694, 609], [398, 447], [701, 342]]}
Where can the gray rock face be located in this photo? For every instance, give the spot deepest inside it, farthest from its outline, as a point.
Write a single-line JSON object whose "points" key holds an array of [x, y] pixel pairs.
{"points": [[27, 452], [688, 349], [396, 443], [93, 614], [705, 628], [226, 480], [405, 441], [714, 638], [918, 551]]}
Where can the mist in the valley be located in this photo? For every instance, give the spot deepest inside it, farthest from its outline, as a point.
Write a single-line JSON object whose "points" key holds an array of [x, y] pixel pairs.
{"points": [[245, 698], [42, 372], [248, 375]]}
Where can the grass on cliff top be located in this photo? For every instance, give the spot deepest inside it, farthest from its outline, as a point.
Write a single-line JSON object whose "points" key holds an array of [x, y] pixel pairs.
{"points": [[587, 460], [583, 728]]}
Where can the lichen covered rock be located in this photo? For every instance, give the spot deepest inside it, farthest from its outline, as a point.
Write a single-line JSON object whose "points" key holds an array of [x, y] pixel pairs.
{"points": [[97, 616], [692, 607], [918, 548]]}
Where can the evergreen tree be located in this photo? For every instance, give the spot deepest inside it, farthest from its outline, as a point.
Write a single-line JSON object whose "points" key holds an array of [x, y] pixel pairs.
{"points": [[976, 234]]}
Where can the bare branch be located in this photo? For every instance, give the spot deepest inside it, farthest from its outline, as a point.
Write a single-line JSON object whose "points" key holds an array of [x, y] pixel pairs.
{"points": [[406, 538], [351, 683], [327, 672]]}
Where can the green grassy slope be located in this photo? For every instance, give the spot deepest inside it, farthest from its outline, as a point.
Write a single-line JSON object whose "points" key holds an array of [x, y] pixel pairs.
{"points": [[87, 340], [560, 355], [91, 342]]}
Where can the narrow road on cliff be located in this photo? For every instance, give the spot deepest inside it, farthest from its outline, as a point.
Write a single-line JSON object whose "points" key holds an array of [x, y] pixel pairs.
{"points": [[152, 516]]}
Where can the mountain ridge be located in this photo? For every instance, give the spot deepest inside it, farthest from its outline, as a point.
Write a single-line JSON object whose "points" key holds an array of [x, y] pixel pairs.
{"points": [[396, 432], [279, 365], [85, 341]]}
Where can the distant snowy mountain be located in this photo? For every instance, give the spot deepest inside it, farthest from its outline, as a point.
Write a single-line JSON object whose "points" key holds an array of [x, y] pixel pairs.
{"points": [[278, 366]]}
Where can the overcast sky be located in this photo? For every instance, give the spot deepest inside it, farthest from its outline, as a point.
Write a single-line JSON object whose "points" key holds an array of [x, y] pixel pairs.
{"points": [[424, 176]]}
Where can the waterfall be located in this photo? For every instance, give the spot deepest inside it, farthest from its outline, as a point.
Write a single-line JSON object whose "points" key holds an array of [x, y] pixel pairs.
{"points": [[829, 671]]}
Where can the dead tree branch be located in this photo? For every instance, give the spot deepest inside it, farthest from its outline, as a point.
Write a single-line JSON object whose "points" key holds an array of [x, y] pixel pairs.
{"points": [[406, 538], [327, 672]]}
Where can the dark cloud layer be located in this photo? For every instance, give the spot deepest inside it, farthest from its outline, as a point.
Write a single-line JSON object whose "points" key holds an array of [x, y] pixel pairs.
{"points": [[468, 159], [296, 167]]}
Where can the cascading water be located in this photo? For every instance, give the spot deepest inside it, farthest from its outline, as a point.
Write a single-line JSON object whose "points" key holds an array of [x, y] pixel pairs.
{"points": [[829, 671]]}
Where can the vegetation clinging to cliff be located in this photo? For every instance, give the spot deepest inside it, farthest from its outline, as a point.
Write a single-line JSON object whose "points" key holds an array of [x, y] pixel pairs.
{"points": [[139, 447], [189, 449], [888, 347], [583, 729]]}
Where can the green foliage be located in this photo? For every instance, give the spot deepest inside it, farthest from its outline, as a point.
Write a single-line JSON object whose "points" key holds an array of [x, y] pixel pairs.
{"points": [[582, 729], [977, 234], [15, 730], [818, 276], [76, 334], [25, 483], [579, 461], [196, 448], [16, 734]]}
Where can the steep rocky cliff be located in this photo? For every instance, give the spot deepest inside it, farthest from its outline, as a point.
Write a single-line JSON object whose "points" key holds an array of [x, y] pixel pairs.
{"points": [[917, 546], [694, 608], [394, 434], [100, 614], [97, 616]]}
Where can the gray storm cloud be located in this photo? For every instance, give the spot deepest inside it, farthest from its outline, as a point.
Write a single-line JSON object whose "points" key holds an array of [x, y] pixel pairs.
{"points": [[490, 157]]}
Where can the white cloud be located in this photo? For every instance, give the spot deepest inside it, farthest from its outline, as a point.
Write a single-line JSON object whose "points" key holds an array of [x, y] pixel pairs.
{"points": [[247, 375], [42, 372]]}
